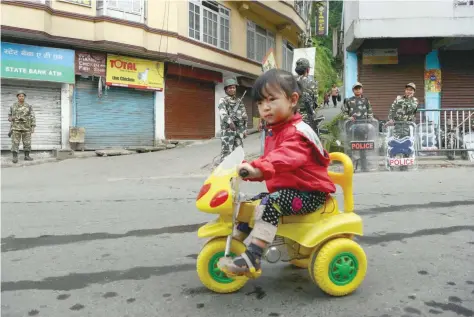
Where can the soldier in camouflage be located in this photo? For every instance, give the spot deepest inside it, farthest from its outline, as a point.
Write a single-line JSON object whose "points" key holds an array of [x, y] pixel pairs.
{"points": [[403, 109], [309, 97], [23, 123], [233, 119], [355, 108]]}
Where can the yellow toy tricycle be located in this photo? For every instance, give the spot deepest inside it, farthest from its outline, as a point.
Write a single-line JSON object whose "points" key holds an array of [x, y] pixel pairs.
{"points": [[320, 241]]}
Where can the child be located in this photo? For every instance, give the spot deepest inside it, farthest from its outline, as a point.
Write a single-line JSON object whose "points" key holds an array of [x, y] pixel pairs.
{"points": [[326, 100], [294, 166]]}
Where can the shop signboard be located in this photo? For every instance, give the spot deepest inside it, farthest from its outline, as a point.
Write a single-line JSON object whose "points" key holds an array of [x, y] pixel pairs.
{"points": [[30, 62], [93, 64], [133, 72]]}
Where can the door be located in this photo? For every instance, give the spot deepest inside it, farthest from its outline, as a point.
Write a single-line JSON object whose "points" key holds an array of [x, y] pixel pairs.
{"points": [[189, 109], [46, 103], [121, 117]]}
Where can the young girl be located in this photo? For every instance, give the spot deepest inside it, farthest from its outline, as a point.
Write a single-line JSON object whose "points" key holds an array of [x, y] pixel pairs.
{"points": [[294, 167]]}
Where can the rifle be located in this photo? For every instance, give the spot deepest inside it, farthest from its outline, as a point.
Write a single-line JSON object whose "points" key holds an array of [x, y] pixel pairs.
{"points": [[233, 117]]}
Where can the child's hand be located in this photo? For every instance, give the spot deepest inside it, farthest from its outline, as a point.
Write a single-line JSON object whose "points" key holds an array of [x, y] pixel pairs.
{"points": [[252, 172]]}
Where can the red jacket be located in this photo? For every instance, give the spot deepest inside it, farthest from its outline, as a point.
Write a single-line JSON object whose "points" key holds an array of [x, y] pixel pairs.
{"points": [[294, 158]]}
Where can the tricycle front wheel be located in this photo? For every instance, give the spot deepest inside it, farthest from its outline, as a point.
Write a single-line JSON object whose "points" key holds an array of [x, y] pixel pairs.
{"points": [[210, 275]]}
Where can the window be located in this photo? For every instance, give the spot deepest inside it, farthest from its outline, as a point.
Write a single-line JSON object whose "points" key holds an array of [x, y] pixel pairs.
{"points": [[209, 22], [259, 41], [464, 2], [287, 60], [129, 6]]}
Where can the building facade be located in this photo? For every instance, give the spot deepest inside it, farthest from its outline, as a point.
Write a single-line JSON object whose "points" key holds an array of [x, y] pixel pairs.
{"points": [[388, 44], [135, 72]]}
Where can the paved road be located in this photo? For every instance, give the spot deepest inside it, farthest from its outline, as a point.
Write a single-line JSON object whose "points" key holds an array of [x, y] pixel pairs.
{"points": [[116, 236]]}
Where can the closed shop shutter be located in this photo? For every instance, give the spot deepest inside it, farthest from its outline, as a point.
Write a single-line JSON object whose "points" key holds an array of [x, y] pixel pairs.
{"points": [[457, 79], [45, 99], [383, 83], [121, 117], [189, 109]]}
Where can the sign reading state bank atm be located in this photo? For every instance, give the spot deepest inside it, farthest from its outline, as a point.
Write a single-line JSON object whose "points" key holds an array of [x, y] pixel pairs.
{"points": [[134, 73]]}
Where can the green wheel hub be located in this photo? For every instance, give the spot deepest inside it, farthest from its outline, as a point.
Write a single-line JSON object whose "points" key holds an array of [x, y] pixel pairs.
{"points": [[343, 268], [216, 274]]}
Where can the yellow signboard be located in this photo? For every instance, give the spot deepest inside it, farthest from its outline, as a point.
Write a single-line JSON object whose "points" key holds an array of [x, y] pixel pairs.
{"points": [[134, 73], [380, 56]]}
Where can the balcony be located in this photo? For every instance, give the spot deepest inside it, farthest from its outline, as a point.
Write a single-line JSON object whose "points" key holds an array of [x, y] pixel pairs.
{"points": [[284, 14]]}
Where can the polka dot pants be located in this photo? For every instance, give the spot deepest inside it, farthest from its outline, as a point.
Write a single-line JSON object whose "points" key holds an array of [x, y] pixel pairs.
{"points": [[289, 202]]}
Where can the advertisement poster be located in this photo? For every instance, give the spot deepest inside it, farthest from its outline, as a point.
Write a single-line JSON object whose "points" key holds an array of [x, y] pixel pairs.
{"points": [[310, 54], [92, 64], [322, 18], [37, 63], [134, 73], [433, 80]]}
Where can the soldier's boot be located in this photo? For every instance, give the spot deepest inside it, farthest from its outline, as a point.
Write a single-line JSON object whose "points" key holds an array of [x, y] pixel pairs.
{"points": [[15, 157], [27, 156]]}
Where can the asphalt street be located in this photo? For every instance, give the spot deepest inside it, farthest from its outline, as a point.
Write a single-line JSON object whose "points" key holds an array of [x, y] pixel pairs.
{"points": [[116, 236]]}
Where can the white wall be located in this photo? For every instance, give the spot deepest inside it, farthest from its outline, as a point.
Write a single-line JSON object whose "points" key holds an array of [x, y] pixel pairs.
{"points": [[66, 110], [219, 93], [400, 18], [160, 115]]}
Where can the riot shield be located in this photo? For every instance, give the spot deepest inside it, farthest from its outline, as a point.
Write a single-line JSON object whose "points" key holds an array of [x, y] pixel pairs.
{"points": [[401, 146], [361, 143]]}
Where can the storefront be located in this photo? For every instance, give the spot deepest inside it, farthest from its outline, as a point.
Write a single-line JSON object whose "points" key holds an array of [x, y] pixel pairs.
{"points": [[457, 79], [44, 74], [190, 102], [115, 100], [386, 66]]}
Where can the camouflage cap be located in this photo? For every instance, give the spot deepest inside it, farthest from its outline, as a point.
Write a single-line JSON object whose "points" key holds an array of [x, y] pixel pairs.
{"points": [[302, 62], [230, 82], [357, 84], [412, 85], [20, 92]]}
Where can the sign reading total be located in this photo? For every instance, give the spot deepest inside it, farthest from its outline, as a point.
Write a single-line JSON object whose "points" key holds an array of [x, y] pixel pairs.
{"points": [[401, 161], [134, 73], [362, 145]]}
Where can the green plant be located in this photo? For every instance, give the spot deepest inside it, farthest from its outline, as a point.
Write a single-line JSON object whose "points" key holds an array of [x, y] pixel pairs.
{"points": [[334, 133]]}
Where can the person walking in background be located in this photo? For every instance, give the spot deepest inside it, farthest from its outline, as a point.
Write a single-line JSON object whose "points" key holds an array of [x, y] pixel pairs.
{"points": [[23, 123], [335, 95]]}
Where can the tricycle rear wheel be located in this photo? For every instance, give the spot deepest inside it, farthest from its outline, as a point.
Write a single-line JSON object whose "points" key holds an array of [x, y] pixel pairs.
{"points": [[339, 267]]}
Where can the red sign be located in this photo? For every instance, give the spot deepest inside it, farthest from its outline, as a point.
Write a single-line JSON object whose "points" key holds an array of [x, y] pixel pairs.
{"points": [[362, 145], [90, 63], [401, 161]]}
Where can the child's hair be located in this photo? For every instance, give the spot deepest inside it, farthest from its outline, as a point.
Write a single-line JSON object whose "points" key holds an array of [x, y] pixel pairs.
{"points": [[278, 79]]}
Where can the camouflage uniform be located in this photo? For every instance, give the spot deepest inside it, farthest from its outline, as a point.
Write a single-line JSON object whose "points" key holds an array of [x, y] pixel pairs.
{"points": [[23, 120], [232, 110], [359, 108], [309, 97], [403, 109]]}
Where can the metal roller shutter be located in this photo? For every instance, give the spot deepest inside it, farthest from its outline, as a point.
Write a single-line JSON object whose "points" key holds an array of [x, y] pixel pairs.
{"points": [[457, 79], [189, 109], [383, 83], [121, 117], [46, 102]]}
